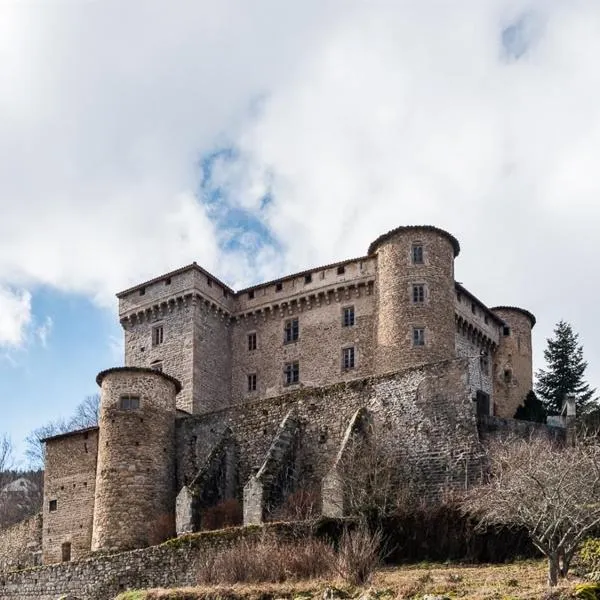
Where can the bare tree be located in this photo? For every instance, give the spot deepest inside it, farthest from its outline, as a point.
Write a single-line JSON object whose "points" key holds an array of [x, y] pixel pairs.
{"points": [[549, 489], [86, 415], [6, 459]]}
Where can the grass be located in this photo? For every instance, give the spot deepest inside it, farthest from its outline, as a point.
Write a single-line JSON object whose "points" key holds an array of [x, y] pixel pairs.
{"points": [[523, 581]]}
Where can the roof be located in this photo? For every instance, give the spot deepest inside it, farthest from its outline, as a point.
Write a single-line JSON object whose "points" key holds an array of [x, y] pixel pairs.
{"points": [[69, 433], [523, 311], [145, 370], [194, 266], [383, 238]]}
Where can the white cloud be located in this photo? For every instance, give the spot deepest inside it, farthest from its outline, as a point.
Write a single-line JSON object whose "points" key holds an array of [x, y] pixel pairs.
{"points": [[43, 331], [15, 316], [355, 116]]}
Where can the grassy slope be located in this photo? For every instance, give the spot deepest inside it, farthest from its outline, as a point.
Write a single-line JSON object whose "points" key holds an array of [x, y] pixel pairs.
{"points": [[525, 580]]}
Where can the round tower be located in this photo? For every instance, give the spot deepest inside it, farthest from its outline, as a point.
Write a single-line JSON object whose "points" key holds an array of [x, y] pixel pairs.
{"points": [[513, 366], [134, 503], [415, 297]]}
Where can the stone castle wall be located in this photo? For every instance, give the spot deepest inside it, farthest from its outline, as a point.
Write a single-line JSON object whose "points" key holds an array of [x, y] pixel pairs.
{"points": [[21, 545], [427, 411], [69, 486]]}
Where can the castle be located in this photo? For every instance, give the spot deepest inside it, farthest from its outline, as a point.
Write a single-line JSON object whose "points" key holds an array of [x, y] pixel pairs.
{"points": [[224, 393]]}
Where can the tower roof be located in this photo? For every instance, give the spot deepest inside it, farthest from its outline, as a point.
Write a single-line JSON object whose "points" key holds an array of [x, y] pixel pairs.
{"points": [[383, 238], [100, 377], [523, 311]]}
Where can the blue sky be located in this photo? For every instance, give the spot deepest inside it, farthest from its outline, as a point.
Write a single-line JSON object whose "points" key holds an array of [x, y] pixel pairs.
{"points": [[263, 138]]}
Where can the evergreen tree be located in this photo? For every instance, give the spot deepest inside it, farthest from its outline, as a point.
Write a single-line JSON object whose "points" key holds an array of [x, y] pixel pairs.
{"points": [[532, 410], [564, 358]]}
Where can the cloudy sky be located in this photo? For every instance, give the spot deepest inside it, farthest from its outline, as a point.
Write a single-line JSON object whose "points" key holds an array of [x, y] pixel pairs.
{"points": [[263, 137]]}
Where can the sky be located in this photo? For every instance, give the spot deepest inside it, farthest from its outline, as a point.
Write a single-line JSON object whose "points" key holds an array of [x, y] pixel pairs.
{"points": [[259, 138]]}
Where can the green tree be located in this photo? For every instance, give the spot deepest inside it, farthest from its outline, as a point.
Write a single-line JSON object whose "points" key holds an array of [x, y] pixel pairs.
{"points": [[566, 367], [532, 410]]}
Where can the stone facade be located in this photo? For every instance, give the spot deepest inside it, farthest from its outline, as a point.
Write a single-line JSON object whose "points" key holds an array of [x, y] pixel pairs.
{"points": [[250, 395], [21, 545]]}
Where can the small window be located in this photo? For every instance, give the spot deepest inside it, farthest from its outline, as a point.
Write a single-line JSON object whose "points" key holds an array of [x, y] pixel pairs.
{"points": [[278, 286], [142, 291], [129, 402], [291, 373], [168, 281], [484, 361], [473, 308], [341, 270], [209, 281], [322, 275], [291, 331], [156, 365], [308, 278], [66, 551], [348, 316], [507, 376], [225, 294], [506, 330], [252, 382], [418, 336], [157, 335], [486, 319], [459, 296], [417, 253], [52, 505], [418, 293], [251, 295], [348, 358], [252, 341]]}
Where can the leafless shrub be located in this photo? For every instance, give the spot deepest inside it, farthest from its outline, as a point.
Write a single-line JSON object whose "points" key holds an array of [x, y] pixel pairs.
{"points": [[227, 513], [549, 489], [298, 506], [267, 560], [161, 529], [359, 554]]}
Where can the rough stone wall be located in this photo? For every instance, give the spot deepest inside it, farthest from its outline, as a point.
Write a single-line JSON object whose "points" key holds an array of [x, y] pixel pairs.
{"points": [[318, 349], [70, 481], [135, 496], [513, 366], [429, 409], [21, 545], [470, 348], [172, 564], [397, 315]]}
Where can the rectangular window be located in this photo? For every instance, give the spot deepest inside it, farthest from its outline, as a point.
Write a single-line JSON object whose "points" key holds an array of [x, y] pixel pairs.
{"points": [[291, 373], [308, 278], [418, 293], [52, 506], [65, 551], [506, 330], [348, 358], [278, 287], [129, 402], [291, 331], [417, 254], [252, 341], [348, 318], [418, 336], [483, 403], [473, 308], [157, 335], [252, 382], [251, 295], [341, 270]]}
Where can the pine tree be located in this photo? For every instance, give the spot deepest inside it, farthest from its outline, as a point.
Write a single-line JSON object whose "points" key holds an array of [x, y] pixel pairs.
{"points": [[533, 409], [566, 367]]}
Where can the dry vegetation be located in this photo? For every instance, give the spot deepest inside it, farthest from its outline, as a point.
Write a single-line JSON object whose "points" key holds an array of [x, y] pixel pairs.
{"points": [[525, 580]]}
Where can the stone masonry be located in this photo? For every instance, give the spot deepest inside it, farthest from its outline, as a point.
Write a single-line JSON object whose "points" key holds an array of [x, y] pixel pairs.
{"points": [[250, 396]]}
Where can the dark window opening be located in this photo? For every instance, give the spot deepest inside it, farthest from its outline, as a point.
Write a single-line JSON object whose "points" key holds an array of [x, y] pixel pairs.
{"points": [[168, 281], [483, 403], [251, 295], [129, 402], [417, 254], [52, 506], [291, 373], [418, 294], [348, 358], [252, 341], [209, 281], [507, 375], [142, 291], [66, 551], [418, 336], [341, 270], [308, 278], [486, 319], [291, 331], [473, 308], [252, 382], [506, 330], [157, 335], [348, 319], [278, 287]]}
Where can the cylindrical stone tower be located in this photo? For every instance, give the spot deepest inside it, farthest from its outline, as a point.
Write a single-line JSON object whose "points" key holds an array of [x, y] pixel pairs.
{"points": [[134, 503], [513, 366], [415, 297]]}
